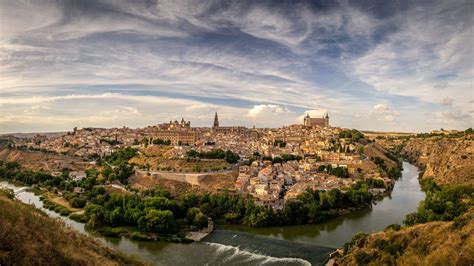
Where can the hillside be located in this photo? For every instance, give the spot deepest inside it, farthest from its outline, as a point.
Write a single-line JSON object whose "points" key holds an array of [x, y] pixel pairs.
{"points": [[39, 160], [433, 243], [30, 237], [446, 160], [441, 232], [373, 150]]}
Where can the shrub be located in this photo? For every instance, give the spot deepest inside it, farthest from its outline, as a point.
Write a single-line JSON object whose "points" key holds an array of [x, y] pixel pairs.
{"points": [[394, 227], [78, 218], [362, 258], [358, 240], [78, 202], [7, 192], [380, 243]]}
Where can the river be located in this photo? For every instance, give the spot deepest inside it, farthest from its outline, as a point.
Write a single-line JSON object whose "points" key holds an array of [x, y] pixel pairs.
{"points": [[289, 245]]}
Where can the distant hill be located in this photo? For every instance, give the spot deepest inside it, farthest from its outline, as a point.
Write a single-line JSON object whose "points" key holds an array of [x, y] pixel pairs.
{"points": [[39, 160], [374, 134], [30, 135], [30, 237], [6, 140]]}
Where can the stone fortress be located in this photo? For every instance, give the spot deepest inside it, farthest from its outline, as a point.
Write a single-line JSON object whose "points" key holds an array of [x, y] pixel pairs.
{"points": [[312, 122]]}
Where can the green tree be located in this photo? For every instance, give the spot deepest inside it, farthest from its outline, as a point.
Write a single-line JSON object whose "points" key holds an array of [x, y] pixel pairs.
{"points": [[158, 221], [200, 220], [95, 214]]}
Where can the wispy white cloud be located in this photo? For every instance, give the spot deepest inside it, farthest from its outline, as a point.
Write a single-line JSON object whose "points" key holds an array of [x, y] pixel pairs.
{"points": [[428, 58], [383, 111], [207, 56]]}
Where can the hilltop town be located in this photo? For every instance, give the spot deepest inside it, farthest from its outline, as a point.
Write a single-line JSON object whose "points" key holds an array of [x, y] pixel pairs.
{"points": [[173, 182], [270, 164]]}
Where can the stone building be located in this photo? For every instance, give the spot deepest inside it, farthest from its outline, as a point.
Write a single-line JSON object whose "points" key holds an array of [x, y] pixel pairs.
{"points": [[216, 128], [176, 136], [312, 122], [175, 125]]}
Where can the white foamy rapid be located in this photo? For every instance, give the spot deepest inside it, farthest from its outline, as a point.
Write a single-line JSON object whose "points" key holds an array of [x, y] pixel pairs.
{"points": [[234, 255]]}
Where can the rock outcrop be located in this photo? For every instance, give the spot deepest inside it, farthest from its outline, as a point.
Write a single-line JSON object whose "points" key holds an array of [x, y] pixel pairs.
{"points": [[447, 160]]}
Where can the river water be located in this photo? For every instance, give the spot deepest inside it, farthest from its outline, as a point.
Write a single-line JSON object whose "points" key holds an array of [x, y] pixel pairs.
{"points": [[290, 245]]}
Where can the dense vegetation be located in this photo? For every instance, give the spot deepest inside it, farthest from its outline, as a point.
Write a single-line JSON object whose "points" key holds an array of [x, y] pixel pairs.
{"points": [[116, 165], [30, 237], [228, 155], [121, 156], [13, 171], [353, 134], [337, 171], [392, 172], [157, 212], [441, 203]]}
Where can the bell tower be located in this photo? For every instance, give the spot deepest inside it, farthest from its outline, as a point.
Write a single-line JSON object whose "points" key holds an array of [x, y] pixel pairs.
{"points": [[307, 120]]}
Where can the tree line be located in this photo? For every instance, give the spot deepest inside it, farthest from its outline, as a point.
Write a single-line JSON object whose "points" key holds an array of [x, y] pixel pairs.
{"points": [[353, 134], [228, 155], [337, 171], [156, 211]]}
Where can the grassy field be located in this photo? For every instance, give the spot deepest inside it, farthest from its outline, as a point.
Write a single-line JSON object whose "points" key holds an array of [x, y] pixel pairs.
{"points": [[60, 201], [29, 237]]}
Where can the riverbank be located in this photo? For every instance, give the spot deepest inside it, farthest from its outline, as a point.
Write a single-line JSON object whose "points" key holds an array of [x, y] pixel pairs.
{"points": [[441, 230], [402, 200], [29, 236], [168, 253], [333, 233], [200, 234]]}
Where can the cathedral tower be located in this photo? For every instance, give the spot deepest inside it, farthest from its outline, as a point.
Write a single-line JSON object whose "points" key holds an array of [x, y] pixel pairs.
{"points": [[216, 121]]}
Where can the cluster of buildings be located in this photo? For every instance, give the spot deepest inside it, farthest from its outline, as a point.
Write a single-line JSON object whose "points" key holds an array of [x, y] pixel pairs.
{"points": [[315, 143]]}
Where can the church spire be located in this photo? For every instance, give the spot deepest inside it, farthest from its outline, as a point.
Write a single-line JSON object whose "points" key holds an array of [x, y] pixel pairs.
{"points": [[216, 120]]}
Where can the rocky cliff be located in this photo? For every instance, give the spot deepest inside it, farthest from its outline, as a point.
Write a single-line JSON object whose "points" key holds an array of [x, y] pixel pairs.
{"points": [[447, 160]]}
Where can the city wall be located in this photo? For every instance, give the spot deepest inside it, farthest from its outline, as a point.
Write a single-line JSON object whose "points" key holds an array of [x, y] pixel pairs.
{"points": [[190, 178]]}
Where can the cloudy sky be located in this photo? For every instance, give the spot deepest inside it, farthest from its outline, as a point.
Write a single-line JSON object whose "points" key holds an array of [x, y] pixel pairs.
{"points": [[378, 65]]}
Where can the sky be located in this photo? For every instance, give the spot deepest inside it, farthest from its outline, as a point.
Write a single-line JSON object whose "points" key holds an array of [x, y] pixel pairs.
{"points": [[373, 65]]}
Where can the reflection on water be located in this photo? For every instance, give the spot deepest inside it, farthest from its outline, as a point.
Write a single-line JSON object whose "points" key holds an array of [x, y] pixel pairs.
{"points": [[265, 245]]}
